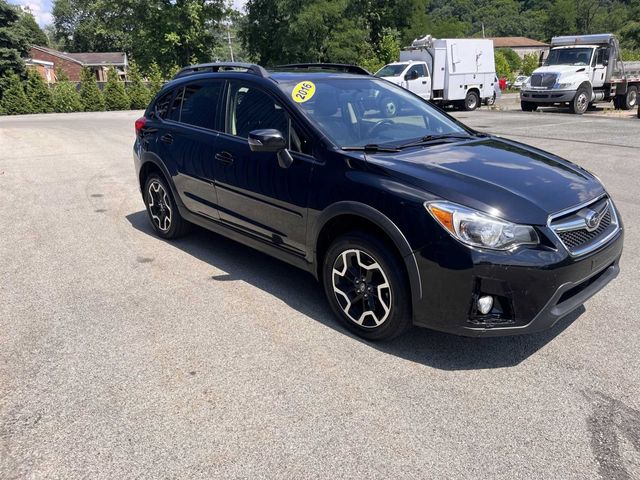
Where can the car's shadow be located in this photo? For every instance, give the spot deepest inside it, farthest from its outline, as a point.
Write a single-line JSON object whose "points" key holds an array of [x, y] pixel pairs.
{"points": [[300, 291]]}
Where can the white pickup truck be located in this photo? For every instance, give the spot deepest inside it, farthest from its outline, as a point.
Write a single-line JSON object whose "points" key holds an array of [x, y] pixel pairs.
{"points": [[446, 71], [580, 71]]}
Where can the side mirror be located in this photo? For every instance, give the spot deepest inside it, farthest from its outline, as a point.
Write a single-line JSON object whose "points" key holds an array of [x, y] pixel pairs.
{"points": [[605, 62], [271, 140], [412, 75], [266, 140]]}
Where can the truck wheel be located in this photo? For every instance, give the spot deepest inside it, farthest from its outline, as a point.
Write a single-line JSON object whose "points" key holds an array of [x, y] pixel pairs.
{"points": [[580, 102], [630, 100], [471, 101], [491, 100], [528, 106]]}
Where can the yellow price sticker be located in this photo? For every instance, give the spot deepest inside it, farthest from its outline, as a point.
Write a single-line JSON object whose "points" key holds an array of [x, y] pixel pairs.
{"points": [[303, 91]]}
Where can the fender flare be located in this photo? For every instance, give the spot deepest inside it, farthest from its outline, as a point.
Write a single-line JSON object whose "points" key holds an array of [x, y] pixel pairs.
{"points": [[385, 224]]}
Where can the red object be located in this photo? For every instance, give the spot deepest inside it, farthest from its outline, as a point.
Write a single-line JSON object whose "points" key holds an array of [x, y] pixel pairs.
{"points": [[139, 125], [503, 83]]}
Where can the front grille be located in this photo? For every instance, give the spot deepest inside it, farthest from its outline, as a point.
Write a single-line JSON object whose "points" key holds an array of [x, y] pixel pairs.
{"points": [[577, 238], [543, 80], [577, 235]]}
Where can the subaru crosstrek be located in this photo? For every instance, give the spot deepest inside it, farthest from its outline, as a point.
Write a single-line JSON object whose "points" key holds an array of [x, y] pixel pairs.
{"points": [[405, 215]]}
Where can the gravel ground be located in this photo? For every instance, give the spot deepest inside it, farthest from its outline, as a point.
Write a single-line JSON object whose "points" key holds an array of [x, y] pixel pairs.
{"points": [[125, 356]]}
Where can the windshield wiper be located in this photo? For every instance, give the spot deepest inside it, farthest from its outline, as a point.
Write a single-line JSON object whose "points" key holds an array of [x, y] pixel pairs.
{"points": [[441, 136], [371, 147]]}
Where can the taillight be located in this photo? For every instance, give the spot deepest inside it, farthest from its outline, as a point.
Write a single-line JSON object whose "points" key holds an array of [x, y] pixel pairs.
{"points": [[139, 125]]}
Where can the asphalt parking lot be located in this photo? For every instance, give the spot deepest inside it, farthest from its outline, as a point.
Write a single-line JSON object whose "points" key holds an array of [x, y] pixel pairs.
{"points": [[125, 356]]}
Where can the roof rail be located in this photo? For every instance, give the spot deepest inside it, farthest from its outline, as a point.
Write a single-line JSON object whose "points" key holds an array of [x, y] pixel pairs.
{"points": [[221, 66], [339, 67]]}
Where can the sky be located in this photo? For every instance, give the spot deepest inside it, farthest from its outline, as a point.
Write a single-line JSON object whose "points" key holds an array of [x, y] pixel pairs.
{"points": [[41, 9]]}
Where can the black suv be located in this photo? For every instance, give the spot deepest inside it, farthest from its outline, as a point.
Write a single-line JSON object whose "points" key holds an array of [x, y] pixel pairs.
{"points": [[406, 216]]}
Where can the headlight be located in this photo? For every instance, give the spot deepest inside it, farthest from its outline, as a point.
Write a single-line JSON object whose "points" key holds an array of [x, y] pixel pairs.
{"points": [[480, 230], [563, 85]]}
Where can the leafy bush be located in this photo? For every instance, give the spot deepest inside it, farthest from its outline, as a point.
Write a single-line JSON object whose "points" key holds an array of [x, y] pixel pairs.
{"points": [[14, 99], [38, 93], [90, 94], [502, 66], [138, 93], [115, 96], [529, 64], [66, 98], [513, 59]]}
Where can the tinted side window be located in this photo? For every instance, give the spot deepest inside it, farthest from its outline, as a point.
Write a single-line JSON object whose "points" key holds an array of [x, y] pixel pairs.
{"points": [[298, 141], [174, 110], [163, 104], [252, 109], [199, 104], [419, 69]]}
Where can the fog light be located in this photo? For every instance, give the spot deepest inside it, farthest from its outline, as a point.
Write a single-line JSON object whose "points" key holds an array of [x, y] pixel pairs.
{"points": [[485, 304]]}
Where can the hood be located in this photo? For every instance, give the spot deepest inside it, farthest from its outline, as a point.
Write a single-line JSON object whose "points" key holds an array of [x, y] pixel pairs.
{"points": [[507, 179], [562, 69]]}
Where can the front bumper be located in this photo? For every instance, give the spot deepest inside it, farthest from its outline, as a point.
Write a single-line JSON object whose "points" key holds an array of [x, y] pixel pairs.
{"points": [[547, 96], [533, 287]]}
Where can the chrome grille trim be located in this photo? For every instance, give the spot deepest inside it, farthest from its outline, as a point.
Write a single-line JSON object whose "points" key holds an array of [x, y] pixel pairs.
{"points": [[543, 80], [576, 231]]}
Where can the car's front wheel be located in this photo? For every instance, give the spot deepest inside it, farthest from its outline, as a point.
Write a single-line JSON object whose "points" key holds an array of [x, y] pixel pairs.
{"points": [[366, 287], [161, 208]]}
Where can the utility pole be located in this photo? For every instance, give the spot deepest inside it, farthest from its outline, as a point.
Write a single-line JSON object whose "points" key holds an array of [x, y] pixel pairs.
{"points": [[482, 23]]}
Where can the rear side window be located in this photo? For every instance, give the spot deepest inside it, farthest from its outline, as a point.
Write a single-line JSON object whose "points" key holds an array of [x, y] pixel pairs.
{"points": [[163, 104], [199, 104]]}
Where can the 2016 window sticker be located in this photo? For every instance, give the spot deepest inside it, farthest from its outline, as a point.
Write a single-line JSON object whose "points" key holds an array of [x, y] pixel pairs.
{"points": [[303, 91]]}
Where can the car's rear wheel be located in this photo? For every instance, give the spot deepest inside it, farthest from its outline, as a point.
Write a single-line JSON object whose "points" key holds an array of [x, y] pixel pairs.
{"points": [[366, 287], [161, 208], [528, 106]]}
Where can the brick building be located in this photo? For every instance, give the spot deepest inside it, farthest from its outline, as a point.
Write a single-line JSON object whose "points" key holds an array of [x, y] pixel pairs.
{"points": [[72, 63]]}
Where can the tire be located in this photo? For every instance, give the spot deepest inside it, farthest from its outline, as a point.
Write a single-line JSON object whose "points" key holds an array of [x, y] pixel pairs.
{"points": [[528, 106], [630, 100], [638, 111], [162, 209], [580, 102], [617, 102], [471, 101], [491, 100], [373, 302]]}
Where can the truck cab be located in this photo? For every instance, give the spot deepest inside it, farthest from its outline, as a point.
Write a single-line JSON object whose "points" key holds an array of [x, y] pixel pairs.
{"points": [[414, 76], [580, 71]]}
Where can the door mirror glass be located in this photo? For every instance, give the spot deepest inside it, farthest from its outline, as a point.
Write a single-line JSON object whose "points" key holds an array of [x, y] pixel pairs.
{"points": [[267, 140]]}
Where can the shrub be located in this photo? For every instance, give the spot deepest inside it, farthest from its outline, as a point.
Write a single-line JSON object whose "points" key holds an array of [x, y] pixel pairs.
{"points": [[513, 59], [38, 93], [90, 94], [502, 66], [14, 99], [115, 96], [155, 79], [529, 64], [66, 98], [138, 93]]}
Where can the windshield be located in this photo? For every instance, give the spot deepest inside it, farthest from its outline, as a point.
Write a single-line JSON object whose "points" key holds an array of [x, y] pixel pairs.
{"points": [[569, 56], [392, 70], [361, 111]]}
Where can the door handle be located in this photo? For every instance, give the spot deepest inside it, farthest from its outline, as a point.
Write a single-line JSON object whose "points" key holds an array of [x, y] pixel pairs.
{"points": [[167, 138], [224, 157], [424, 82]]}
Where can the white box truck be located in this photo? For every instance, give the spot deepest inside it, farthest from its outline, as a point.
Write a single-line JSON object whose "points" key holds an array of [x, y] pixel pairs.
{"points": [[456, 71], [581, 70]]}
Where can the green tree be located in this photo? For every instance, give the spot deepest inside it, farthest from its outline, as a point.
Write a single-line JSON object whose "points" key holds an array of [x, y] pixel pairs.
{"points": [[529, 64], [35, 34], [139, 94], [38, 93], [61, 75], [562, 19], [90, 94], [156, 81], [515, 62], [502, 66], [66, 98], [14, 42], [115, 95], [14, 99]]}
